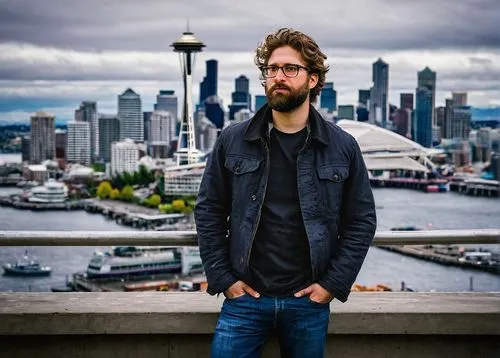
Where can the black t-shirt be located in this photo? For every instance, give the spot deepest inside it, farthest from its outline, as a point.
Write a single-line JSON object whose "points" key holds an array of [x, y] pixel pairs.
{"points": [[280, 261]]}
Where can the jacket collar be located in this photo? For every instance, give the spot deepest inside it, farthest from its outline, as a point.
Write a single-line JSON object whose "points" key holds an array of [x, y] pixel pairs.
{"points": [[259, 125]]}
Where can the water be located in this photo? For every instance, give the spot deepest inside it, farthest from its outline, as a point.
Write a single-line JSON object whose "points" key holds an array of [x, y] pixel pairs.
{"points": [[395, 207]]}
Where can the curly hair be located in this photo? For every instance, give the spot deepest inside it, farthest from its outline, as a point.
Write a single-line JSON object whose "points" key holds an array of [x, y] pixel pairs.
{"points": [[305, 45]]}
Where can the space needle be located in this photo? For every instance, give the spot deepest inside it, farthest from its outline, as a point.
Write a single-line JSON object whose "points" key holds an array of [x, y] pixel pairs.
{"points": [[187, 46]]}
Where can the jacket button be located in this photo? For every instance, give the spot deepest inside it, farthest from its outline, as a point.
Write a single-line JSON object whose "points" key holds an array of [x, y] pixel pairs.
{"points": [[336, 177], [237, 169], [241, 260], [254, 197]]}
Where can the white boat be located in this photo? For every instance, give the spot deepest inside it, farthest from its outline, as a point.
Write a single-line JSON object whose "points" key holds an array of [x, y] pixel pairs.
{"points": [[50, 192], [134, 261]]}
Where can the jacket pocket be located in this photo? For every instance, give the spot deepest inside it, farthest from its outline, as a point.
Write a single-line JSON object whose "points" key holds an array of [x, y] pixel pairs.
{"points": [[331, 181], [244, 177]]}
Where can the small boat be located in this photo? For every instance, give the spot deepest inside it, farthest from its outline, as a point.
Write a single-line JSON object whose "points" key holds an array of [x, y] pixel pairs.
{"points": [[405, 228], [26, 268]]}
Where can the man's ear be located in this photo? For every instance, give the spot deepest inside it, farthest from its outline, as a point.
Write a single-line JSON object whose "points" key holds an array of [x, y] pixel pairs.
{"points": [[313, 80]]}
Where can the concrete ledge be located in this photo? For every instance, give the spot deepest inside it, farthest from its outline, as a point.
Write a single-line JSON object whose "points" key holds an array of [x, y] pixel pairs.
{"points": [[193, 313]]}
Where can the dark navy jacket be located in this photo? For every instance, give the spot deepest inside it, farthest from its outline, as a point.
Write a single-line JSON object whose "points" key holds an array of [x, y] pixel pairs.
{"points": [[335, 198]]}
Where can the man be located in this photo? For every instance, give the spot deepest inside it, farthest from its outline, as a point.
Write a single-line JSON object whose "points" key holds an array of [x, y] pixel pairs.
{"points": [[285, 214]]}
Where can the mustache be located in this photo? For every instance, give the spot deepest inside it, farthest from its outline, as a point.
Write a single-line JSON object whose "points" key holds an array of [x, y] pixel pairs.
{"points": [[279, 86]]}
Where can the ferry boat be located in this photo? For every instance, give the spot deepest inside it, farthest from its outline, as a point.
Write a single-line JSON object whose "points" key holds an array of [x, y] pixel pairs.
{"points": [[129, 261], [26, 268], [50, 192]]}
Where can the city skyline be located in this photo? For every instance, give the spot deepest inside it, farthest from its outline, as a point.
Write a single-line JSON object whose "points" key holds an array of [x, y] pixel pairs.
{"points": [[127, 45]]}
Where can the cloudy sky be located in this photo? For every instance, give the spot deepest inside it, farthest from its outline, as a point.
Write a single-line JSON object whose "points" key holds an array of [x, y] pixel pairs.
{"points": [[56, 53]]}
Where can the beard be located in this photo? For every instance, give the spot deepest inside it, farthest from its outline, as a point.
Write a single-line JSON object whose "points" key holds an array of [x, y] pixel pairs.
{"points": [[287, 102]]}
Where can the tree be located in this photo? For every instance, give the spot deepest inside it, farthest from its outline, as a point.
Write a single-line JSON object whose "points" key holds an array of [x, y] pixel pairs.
{"points": [[127, 193], [128, 178], [166, 208], [153, 201], [178, 205], [115, 194], [104, 190]]}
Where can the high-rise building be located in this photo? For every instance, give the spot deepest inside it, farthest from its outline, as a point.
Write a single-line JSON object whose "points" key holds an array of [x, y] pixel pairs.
{"points": [[162, 127], [167, 101], [208, 87], [130, 116], [406, 101], [260, 100], [240, 97], [379, 94], [427, 79], [109, 132], [61, 142], [460, 127], [25, 148], [364, 96], [214, 111], [207, 134], [78, 142], [124, 156], [346, 112], [448, 119], [423, 117], [42, 138], [146, 117], [459, 98], [402, 121], [328, 97], [87, 112]]}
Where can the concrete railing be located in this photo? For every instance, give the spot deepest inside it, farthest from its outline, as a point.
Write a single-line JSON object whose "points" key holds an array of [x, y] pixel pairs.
{"points": [[169, 324], [188, 238]]}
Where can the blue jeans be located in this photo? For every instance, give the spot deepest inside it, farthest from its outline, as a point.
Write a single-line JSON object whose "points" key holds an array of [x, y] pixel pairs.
{"points": [[245, 323]]}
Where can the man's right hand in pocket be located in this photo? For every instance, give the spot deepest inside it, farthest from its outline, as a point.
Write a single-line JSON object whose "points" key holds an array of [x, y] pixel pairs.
{"points": [[239, 288]]}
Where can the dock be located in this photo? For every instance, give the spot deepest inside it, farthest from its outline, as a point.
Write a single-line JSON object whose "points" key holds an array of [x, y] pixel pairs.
{"points": [[477, 187]]}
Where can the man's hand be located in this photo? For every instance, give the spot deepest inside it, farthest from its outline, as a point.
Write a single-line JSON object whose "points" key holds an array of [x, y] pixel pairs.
{"points": [[316, 293], [239, 288]]}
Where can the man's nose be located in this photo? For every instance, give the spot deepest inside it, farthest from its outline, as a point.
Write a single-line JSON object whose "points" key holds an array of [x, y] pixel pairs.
{"points": [[280, 76]]}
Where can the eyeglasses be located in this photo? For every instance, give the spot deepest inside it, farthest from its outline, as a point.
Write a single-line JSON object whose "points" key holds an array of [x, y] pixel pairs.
{"points": [[289, 71]]}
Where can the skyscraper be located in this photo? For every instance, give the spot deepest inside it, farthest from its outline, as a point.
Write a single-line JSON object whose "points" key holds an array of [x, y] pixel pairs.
{"points": [[167, 101], [241, 98], [423, 117], [346, 112], [78, 142], [406, 101], [42, 138], [109, 132], [427, 79], [328, 97], [379, 100], [130, 116], [364, 96], [87, 112], [459, 98], [162, 127], [208, 87]]}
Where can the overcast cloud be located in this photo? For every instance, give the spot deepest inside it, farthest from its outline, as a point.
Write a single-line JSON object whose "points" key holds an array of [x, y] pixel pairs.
{"points": [[66, 51]]}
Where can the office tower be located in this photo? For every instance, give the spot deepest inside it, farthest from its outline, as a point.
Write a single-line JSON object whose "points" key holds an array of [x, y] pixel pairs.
{"points": [[364, 96], [328, 97], [42, 138], [109, 132], [146, 117], [427, 79], [167, 101], [214, 111], [379, 100], [260, 100], [61, 142], [187, 46], [402, 121], [461, 122], [162, 127], [130, 116], [87, 112], [78, 142], [346, 112], [25, 148], [208, 87], [459, 98], [406, 101], [240, 97], [207, 134], [124, 156], [423, 117]]}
